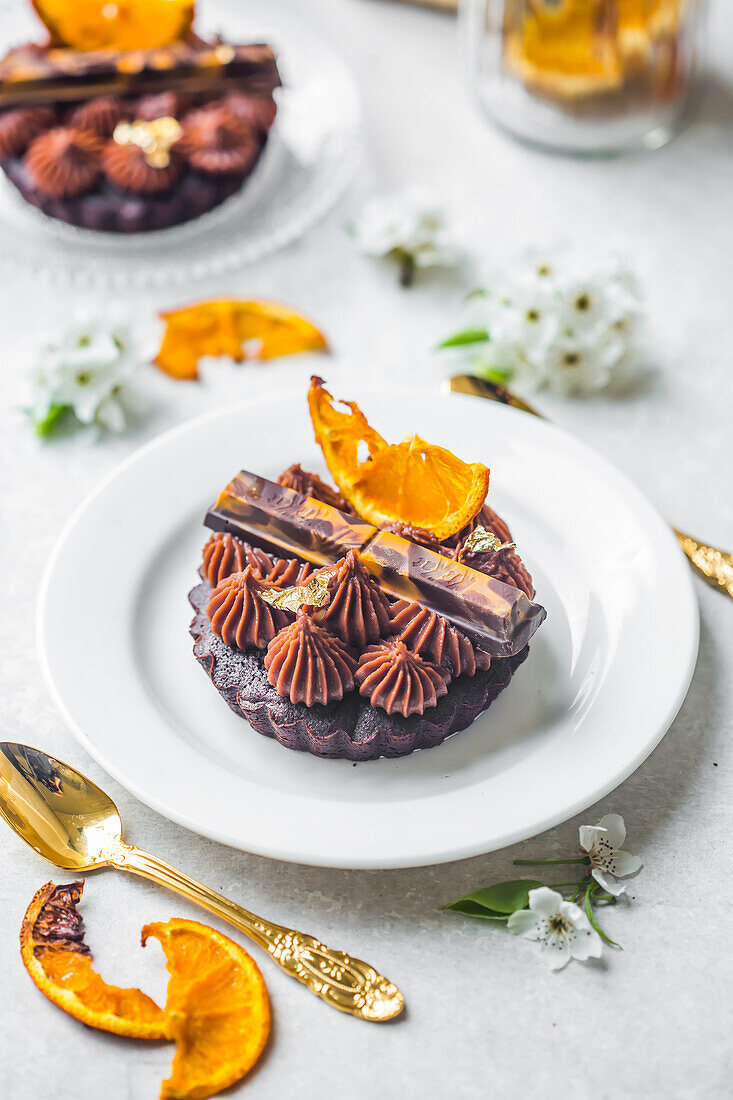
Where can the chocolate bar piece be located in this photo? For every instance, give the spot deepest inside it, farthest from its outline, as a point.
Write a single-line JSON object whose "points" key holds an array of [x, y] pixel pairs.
{"points": [[39, 74], [498, 617]]}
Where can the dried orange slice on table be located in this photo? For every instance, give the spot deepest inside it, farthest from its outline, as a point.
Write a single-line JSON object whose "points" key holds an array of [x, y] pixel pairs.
{"points": [[217, 1008], [241, 329], [115, 24], [413, 482], [60, 963]]}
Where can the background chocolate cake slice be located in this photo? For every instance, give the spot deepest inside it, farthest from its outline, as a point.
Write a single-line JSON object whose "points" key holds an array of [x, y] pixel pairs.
{"points": [[132, 140]]}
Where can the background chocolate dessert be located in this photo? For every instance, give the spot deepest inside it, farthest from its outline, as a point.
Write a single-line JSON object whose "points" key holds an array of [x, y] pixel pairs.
{"points": [[125, 141]]}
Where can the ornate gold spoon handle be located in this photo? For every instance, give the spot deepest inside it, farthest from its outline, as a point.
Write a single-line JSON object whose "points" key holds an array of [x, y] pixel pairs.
{"points": [[713, 565], [343, 982]]}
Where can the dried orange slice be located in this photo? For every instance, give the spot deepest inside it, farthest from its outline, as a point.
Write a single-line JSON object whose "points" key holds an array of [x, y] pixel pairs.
{"points": [[60, 963], [412, 482], [237, 328], [115, 24], [217, 1008]]}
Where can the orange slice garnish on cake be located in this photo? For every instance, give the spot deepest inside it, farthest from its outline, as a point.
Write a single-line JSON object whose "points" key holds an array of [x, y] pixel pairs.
{"points": [[413, 482], [217, 1008], [115, 24], [239, 329], [60, 963]]}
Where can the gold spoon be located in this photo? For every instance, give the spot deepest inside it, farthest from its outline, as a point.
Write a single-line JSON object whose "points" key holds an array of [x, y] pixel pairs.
{"points": [[72, 823], [714, 566]]}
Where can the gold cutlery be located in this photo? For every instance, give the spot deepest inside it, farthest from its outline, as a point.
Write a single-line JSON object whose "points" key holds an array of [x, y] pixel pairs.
{"points": [[713, 565], [72, 823]]}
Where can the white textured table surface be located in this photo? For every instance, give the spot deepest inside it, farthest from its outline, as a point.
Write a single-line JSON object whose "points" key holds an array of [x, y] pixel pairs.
{"points": [[485, 1017]]}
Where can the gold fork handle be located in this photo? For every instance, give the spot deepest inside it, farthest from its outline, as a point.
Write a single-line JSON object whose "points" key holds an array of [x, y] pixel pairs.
{"points": [[714, 566], [343, 982]]}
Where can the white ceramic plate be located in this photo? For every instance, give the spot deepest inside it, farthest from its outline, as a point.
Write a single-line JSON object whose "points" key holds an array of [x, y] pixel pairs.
{"points": [[606, 674]]}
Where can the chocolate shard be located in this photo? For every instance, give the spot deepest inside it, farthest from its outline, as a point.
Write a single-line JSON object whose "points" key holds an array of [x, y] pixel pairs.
{"points": [[498, 617], [36, 74]]}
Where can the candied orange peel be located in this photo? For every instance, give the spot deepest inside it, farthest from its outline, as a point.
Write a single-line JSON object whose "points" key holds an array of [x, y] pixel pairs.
{"points": [[60, 963], [217, 1008], [239, 328], [413, 482], [115, 24]]}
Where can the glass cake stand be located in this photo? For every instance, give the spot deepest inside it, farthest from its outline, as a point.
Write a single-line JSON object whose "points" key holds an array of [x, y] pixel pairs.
{"points": [[310, 157]]}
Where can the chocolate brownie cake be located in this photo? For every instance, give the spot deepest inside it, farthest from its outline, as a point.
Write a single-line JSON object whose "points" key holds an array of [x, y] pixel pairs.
{"points": [[327, 660], [133, 140]]}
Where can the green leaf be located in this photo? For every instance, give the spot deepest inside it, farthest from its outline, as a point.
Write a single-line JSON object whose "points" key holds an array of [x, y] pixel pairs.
{"points": [[496, 902], [468, 336], [473, 909], [594, 920], [500, 375], [47, 425], [479, 292]]}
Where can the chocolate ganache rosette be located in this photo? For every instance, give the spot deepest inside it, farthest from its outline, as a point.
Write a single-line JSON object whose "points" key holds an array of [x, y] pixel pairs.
{"points": [[218, 142], [19, 127], [240, 616], [127, 167], [64, 161], [433, 637], [225, 554], [311, 485], [100, 115], [358, 611], [395, 679], [308, 664]]}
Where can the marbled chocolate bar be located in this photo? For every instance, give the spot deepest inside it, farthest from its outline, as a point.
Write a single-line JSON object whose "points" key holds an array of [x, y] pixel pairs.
{"points": [[38, 74], [499, 617]]}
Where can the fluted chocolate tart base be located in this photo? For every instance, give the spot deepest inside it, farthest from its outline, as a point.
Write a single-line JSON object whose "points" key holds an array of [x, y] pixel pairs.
{"points": [[350, 728], [111, 210]]}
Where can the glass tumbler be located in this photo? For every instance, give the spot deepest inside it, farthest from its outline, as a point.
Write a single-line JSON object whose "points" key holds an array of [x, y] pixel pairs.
{"points": [[589, 77]]}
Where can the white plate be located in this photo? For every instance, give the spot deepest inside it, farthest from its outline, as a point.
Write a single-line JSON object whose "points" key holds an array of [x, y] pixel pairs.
{"points": [[606, 674], [310, 157]]}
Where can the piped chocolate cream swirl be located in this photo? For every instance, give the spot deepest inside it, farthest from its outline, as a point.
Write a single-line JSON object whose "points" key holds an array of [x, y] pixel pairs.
{"points": [[358, 611], [311, 485], [127, 168], [503, 565], [307, 664], [100, 115], [433, 637], [238, 614], [218, 142], [225, 554], [64, 161], [394, 678], [20, 126]]}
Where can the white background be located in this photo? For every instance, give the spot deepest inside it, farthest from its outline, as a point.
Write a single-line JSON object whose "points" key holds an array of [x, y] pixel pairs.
{"points": [[484, 1016]]}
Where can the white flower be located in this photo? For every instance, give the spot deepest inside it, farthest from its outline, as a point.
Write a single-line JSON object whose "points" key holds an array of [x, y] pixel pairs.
{"points": [[562, 928], [608, 862], [408, 225], [87, 370], [573, 326]]}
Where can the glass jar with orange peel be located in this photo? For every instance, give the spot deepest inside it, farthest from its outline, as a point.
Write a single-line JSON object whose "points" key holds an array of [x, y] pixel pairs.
{"points": [[584, 76]]}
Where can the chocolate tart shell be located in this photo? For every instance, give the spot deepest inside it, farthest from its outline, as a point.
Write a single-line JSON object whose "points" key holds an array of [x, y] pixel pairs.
{"points": [[109, 209], [350, 729]]}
